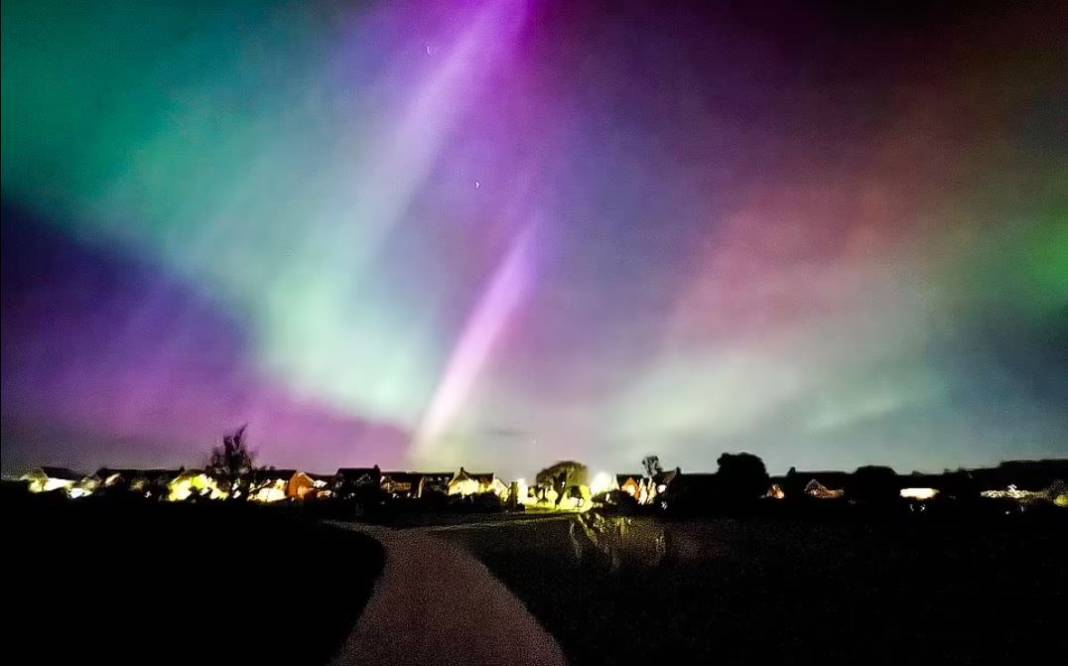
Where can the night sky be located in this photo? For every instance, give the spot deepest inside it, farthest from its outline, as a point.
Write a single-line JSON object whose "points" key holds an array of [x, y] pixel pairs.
{"points": [[499, 234]]}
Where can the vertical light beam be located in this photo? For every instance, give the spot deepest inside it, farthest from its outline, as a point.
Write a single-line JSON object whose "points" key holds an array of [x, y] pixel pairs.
{"points": [[501, 298]]}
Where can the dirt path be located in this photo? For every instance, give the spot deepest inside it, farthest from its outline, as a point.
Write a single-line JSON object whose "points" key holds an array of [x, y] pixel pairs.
{"points": [[435, 604]]}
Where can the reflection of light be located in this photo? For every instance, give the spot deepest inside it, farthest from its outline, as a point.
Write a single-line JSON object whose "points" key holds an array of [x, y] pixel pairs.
{"points": [[75, 493], [602, 483], [918, 493]]}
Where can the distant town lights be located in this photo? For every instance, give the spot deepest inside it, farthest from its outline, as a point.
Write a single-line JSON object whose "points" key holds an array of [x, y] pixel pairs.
{"points": [[918, 493]]}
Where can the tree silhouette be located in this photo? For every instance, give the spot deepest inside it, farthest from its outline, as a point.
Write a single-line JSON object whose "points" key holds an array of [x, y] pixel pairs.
{"points": [[561, 475], [742, 477], [231, 465], [873, 484], [651, 465]]}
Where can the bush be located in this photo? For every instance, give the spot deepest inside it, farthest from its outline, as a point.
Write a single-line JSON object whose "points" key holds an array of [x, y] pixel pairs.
{"points": [[434, 500], [487, 502], [616, 502], [742, 478], [873, 484]]}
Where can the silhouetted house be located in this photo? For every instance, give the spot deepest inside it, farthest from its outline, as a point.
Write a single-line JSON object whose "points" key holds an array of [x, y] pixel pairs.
{"points": [[147, 482], [47, 479], [137, 478], [401, 484], [1056, 492], [434, 482], [662, 480], [271, 485], [776, 492], [791, 484], [193, 484], [155, 480], [630, 484], [498, 487], [303, 485], [85, 487], [691, 492], [116, 478], [1018, 494], [1024, 481], [1029, 475], [658, 485], [466, 483], [921, 480], [817, 490], [821, 484], [322, 486], [349, 480], [463, 484]]}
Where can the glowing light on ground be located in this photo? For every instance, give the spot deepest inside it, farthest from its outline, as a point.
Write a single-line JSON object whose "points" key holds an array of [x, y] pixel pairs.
{"points": [[918, 493]]}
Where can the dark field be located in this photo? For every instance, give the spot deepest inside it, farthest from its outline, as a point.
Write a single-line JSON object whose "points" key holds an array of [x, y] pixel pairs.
{"points": [[617, 590], [107, 581]]}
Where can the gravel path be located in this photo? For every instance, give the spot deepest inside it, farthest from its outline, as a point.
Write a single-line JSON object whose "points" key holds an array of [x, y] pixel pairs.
{"points": [[435, 604]]}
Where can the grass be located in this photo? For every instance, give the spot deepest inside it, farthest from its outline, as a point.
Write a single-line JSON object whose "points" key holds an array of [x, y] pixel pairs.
{"points": [[788, 591], [139, 582]]}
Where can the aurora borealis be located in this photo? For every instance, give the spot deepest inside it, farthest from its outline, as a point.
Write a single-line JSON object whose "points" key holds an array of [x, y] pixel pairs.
{"points": [[497, 234]]}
